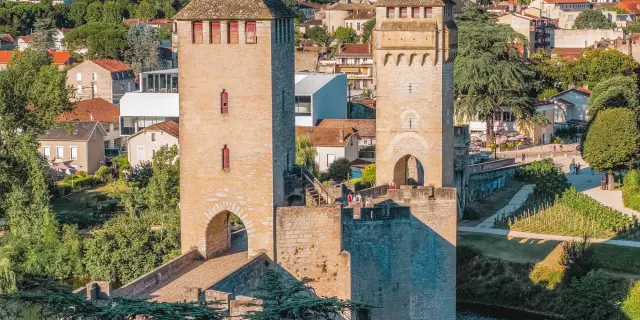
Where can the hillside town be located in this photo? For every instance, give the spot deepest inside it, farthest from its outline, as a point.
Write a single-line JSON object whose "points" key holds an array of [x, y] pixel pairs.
{"points": [[314, 159]]}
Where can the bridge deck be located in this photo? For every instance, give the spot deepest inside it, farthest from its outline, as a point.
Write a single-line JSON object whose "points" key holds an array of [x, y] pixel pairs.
{"points": [[200, 274]]}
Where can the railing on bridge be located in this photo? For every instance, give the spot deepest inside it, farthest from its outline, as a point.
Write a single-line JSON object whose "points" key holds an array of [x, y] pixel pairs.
{"points": [[323, 193]]}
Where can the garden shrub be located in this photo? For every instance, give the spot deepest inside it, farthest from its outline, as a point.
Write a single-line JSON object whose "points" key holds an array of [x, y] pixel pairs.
{"points": [[631, 306], [77, 182], [577, 259], [549, 180], [631, 190], [590, 298], [617, 258], [549, 276]]}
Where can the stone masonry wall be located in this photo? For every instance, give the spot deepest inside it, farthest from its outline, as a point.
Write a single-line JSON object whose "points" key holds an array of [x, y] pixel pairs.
{"points": [[308, 245], [247, 279]]}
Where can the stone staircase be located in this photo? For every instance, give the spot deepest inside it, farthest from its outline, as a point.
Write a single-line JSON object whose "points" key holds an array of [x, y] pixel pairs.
{"points": [[313, 196], [315, 192]]}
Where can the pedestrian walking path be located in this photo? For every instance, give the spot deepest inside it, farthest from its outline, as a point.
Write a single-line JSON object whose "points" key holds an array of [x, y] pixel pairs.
{"points": [[516, 202], [529, 235]]}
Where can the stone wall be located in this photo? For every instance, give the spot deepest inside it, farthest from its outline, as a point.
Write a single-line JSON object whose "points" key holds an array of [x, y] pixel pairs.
{"points": [[161, 274], [479, 179], [490, 165], [308, 245], [247, 279]]}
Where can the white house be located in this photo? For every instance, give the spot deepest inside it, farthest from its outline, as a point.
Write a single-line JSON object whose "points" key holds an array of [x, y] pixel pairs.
{"points": [[565, 109], [320, 96], [143, 145], [566, 11], [331, 144]]}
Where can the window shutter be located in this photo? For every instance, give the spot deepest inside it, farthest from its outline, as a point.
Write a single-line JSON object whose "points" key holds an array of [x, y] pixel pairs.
{"points": [[250, 32], [215, 32], [428, 12], [415, 12], [225, 157], [233, 32], [224, 102], [197, 32]]}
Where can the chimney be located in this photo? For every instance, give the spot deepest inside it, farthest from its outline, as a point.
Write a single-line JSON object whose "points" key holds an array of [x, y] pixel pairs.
{"points": [[341, 135]]}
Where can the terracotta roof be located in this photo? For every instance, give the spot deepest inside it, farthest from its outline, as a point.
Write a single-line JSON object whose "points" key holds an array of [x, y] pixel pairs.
{"points": [[310, 5], [364, 127], [631, 6], [169, 127], [26, 38], [566, 1], [326, 137], [361, 15], [604, 5], [583, 90], [112, 65], [5, 56], [347, 6], [60, 57], [237, 9], [371, 103], [568, 53], [5, 37], [133, 22], [96, 109], [160, 21], [65, 30], [81, 131], [355, 49], [359, 163], [412, 3], [312, 23]]}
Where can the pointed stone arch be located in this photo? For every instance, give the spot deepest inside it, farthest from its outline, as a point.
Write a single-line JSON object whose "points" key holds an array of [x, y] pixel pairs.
{"points": [[400, 59], [412, 58], [425, 57], [408, 170], [388, 57]]}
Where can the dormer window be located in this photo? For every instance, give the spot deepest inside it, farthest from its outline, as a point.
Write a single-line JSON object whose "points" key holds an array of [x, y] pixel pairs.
{"points": [[250, 32], [224, 102], [391, 13], [197, 32], [404, 12]]}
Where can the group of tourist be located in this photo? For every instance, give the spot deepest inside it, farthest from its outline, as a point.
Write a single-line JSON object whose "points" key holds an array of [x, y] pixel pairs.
{"points": [[574, 168], [368, 200]]}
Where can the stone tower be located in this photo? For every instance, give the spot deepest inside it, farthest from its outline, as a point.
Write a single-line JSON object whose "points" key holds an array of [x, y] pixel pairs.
{"points": [[237, 135], [415, 44]]}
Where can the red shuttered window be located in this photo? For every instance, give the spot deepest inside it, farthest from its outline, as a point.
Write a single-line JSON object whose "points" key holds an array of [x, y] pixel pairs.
{"points": [[250, 32], [225, 157], [391, 12], [428, 12], [224, 102], [197, 32], [415, 12], [215, 32], [404, 12], [233, 33]]}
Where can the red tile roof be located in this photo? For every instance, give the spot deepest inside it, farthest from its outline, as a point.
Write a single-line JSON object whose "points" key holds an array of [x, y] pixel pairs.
{"points": [[582, 89], [566, 1], [361, 15], [26, 38], [5, 37], [112, 65], [96, 109], [355, 48], [326, 137], [631, 6], [5, 56], [310, 5], [169, 127], [60, 57], [568, 53], [365, 127], [359, 163]]}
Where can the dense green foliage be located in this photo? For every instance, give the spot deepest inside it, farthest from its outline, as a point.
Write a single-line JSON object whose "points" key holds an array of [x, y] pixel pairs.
{"points": [[340, 169], [614, 92], [345, 35], [592, 298], [367, 30], [290, 299], [631, 190], [632, 27], [320, 35], [141, 174], [143, 53], [102, 40], [306, 153], [163, 191], [577, 259], [592, 19], [369, 175], [612, 140], [489, 72], [631, 306], [547, 177]]}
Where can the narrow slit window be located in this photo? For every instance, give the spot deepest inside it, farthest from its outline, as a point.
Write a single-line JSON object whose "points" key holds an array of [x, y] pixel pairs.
{"points": [[233, 33], [250, 32], [225, 157], [215, 32], [197, 32], [224, 102]]}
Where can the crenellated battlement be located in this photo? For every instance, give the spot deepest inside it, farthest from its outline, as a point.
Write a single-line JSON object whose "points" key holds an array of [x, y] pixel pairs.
{"points": [[377, 213], [408, 194]]}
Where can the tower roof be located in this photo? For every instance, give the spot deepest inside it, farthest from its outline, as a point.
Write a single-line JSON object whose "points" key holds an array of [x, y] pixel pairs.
{"points": [[413, 3], [234, 9]]}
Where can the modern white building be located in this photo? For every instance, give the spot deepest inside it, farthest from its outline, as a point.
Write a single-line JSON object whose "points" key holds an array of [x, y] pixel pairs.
{"points": [[320, 96]]}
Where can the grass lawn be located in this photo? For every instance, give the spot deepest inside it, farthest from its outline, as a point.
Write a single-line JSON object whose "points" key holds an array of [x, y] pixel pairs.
{"points": [[87, 208], [483, 208]]}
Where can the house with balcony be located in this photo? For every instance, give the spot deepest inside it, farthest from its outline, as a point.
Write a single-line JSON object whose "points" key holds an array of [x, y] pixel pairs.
{"points": [[356, 61], [538, 30], [503, 121], [319, 96], [107, 79]]}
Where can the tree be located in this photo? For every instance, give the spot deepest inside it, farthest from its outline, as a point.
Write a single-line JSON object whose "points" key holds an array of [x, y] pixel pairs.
{"points": [[615, 92], [43, 38], [61, 15], [367, 29], [163, 192], [369, 175], [143, 52], [592, 19], [168, 10], [112, 12], [611, 142], [306, 153], [164, 33], [340, 169], [597, 65], [146, 11], [345, 35], [141, 174], [77, 11], [577, 259], [632, 27], [94, 12], [320, 35], [589, 298], [102, 40], [489, 73], [289, 299]]}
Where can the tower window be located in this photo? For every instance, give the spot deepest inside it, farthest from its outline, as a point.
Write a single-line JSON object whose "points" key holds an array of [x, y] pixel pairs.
{"points": [[428, 12], [197, 32], [415, 12], [391, 13], [215, 32], [233, 33], [225, 157], [250, 32], [404, 12], [224, 102]]}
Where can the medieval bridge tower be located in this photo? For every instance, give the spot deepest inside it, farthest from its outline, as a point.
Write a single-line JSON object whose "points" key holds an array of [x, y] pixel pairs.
{"points": [[415, 44], [237, 135]]}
